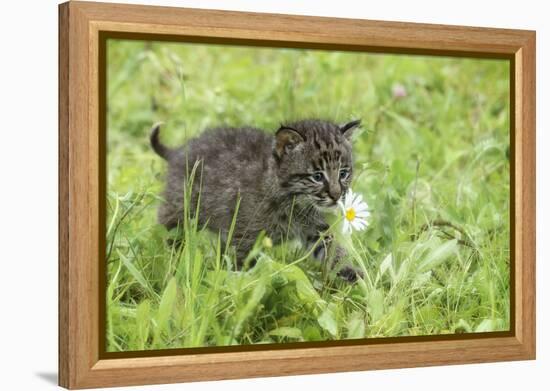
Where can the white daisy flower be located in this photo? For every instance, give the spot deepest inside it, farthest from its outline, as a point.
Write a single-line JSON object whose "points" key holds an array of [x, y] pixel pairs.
{"points": [[355, 212]]}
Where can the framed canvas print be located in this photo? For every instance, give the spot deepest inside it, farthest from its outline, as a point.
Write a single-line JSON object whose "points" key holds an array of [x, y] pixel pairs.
{"points": [[248, 195]]}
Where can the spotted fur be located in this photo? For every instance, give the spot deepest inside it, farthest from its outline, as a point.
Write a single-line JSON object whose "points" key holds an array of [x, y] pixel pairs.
{"points": [[284, 183]]}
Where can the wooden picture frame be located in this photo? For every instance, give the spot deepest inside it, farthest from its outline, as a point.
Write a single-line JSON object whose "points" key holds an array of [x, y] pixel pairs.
{"points": [[82, 26]]}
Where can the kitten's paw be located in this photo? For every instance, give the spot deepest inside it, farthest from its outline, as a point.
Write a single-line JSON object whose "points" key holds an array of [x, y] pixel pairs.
{"points": [[349, 274]]}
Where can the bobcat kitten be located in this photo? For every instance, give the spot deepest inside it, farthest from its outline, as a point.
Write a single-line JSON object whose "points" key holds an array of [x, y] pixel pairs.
{"points": [[285, 183]]}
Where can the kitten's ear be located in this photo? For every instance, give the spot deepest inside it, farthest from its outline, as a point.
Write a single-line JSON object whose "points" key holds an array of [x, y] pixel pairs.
{"points": [[348, 129], [286, 139]]}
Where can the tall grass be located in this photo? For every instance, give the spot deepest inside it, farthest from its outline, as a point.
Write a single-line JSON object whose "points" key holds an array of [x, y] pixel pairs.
{"points": [[433, 166]]}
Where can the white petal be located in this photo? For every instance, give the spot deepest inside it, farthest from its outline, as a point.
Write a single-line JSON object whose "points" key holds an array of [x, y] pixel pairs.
{"points": [[359, 225], [346, 227], [358, 200], [343, 207], [361, 208], [362, 220], [349, 229], [347, 201], [355, 224], [362, 213], [364, 223]]}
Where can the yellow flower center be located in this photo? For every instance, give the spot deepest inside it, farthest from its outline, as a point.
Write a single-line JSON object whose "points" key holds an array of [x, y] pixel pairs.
{"points": [[350, 214]]}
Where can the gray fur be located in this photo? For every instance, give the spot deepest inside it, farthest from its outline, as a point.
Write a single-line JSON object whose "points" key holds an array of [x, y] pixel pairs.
{"points": [[272, 175]]}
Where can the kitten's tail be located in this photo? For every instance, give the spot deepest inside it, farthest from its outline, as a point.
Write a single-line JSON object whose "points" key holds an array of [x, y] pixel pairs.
{"points": [[162, 150]]}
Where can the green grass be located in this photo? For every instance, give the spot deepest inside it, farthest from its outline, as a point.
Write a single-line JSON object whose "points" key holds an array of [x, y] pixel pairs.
{"points": [[433, 167]]}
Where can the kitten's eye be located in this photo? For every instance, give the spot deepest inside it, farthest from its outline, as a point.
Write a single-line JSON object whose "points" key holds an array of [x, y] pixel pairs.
{"points": [[317, 177], [344, 173]]}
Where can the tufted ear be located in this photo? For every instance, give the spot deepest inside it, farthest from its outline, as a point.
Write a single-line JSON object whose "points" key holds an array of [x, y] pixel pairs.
{"points": [[286, 139], [348, 129]]}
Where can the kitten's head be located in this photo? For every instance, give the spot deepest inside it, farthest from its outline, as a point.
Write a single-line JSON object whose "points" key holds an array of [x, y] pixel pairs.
{"points": [[314, 160]]}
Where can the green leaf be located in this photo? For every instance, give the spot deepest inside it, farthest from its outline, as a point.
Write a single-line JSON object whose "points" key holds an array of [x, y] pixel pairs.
{"points": [[143, 318], [137, 275], [327, 320], [421, 279], [165, 307], [438, 255], [252, 303], [375, 305], [312, 334], [387, 264], [356, 325], [489, 325], [462, 326], [286, 274], [289, 332]]}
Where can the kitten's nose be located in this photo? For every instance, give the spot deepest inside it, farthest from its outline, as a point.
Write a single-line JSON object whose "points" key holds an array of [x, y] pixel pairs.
{"points": [[335, 194]]}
